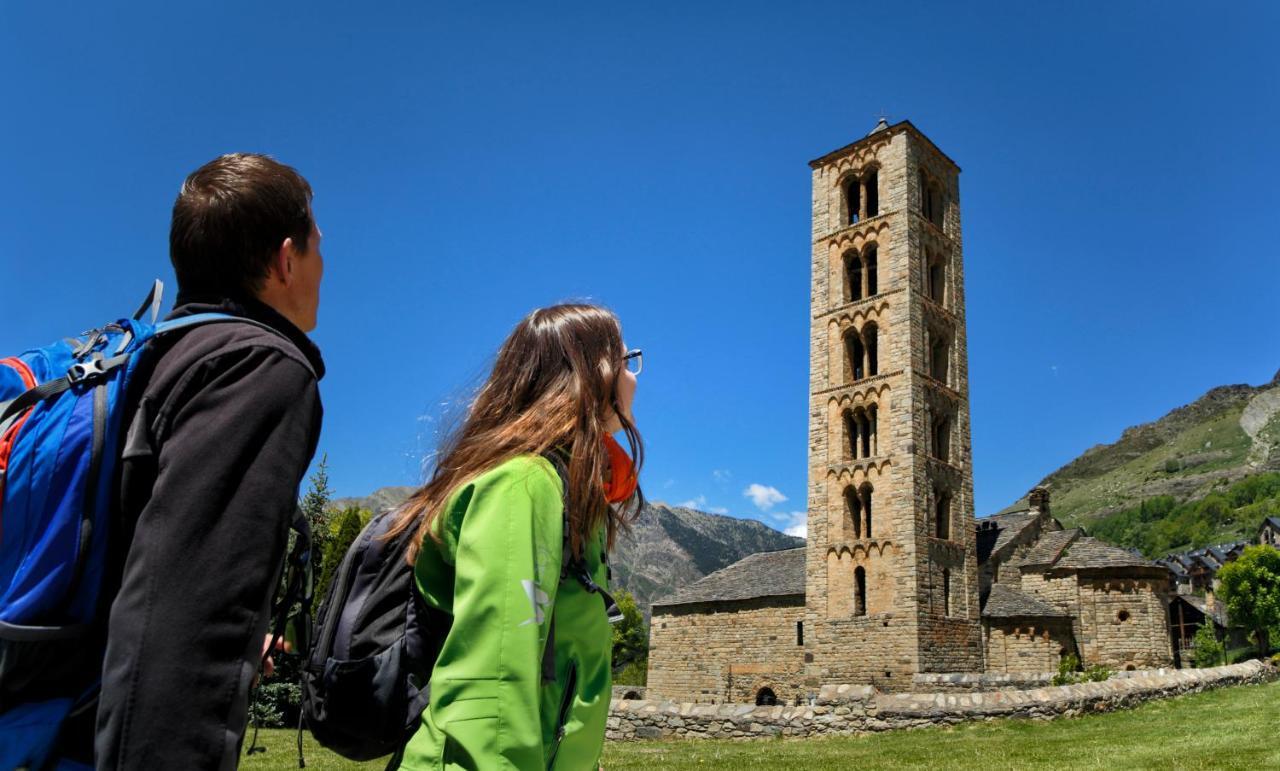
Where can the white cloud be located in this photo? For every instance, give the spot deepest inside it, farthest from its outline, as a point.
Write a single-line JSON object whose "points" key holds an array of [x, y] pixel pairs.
{"points": [[700, 504], [798, 524], [764, 496], [721, 475]]}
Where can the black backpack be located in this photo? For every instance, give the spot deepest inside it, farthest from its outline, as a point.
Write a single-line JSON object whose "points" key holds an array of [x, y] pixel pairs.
{"points": [[366, 679], [364, 684]]}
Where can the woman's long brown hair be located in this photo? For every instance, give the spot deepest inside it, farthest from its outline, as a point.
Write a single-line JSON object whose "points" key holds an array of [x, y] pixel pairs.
{"points": [[551, 384]]}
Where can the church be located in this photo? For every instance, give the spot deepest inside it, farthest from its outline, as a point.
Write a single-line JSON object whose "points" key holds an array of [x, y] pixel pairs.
{"points": [[897, 578]]}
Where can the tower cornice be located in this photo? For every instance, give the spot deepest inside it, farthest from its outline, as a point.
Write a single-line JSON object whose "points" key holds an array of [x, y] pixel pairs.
{"points": [[897, 128]]}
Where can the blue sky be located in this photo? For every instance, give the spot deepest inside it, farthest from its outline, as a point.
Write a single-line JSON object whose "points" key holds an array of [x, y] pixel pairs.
{"points": [[474, 161]]}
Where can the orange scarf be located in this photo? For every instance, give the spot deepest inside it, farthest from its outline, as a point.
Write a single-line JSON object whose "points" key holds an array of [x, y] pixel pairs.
{"points": [[622, 473]]}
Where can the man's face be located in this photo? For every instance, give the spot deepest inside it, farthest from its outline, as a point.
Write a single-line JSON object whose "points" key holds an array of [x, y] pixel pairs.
{"points": [[308, 269]]}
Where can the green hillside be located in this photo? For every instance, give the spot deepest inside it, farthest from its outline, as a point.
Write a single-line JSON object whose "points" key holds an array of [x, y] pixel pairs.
{"points": [[1202, 474]]}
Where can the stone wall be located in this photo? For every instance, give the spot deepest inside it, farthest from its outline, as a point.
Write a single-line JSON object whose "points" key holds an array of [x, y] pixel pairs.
{"points": [[728, 651], [1027, 646], [848, 709], [979, 681]]}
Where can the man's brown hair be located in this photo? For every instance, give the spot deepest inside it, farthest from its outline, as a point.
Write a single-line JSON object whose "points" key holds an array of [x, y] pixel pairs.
{"points": [[231, 216]]}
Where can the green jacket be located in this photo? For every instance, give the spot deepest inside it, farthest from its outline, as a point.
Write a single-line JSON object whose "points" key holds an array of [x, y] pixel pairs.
{"points": [[497, 572]]}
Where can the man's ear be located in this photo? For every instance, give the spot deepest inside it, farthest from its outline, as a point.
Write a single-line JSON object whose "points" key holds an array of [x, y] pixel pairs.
{"points": [[282, 263]]}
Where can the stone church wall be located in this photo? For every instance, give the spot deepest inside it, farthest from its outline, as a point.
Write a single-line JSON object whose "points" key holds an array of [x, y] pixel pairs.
{"points": [[717, 652], [1027, 646]]}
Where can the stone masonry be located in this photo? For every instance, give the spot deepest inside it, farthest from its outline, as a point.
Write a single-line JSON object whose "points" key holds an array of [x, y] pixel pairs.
{"points": [[893, 593], [846, 709]]}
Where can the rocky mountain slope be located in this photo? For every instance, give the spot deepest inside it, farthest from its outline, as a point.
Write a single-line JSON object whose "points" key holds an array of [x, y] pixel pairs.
{"points": [[1229, 434], [668, 546]]}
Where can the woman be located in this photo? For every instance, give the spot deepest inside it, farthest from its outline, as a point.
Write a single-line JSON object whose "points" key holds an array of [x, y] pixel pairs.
{"points": [[492, 525]]}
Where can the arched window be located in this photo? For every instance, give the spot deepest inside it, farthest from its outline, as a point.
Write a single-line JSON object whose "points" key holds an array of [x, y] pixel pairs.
{"points": [[942, 515], [867, 490], [864, 433], [853, 512], [873, 415], [938, 356], [937, 281], [873, 193], [856, 353], [852, 277], [852, 199], [942, 438], [850, 435], [871, 335], [860, 591], [765, 697], [869, 260], [946, 592]]}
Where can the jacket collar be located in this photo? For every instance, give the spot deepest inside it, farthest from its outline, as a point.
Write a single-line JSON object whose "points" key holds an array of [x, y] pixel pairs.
{"points": [[250, 308]]}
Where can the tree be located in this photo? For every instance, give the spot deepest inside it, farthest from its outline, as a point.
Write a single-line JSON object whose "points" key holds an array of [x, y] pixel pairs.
{"points": [[349, 526], [1251, 589], [630, 638], [315, 506]]}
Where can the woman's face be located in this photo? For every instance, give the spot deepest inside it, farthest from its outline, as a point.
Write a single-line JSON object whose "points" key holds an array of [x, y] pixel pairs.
{"points": [[625, 393]]}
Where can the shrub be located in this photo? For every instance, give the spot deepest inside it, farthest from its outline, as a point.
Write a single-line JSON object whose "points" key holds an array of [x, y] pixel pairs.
{"points": [[1096, 674], [1209, 652], [1068, 670], [635, 673]]}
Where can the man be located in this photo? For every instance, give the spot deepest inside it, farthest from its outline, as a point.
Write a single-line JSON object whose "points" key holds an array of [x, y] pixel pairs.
{"points": [[222, 429]]}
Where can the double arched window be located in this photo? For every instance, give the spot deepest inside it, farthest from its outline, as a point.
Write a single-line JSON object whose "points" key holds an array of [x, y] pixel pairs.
{"points": [[941, 438], [860, 429], [862, 196], [862, 352], [861, 274], [939, 354]]}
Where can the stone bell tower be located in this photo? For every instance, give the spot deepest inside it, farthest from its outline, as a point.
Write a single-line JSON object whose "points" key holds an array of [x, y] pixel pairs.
{"points": [[891, 576]]}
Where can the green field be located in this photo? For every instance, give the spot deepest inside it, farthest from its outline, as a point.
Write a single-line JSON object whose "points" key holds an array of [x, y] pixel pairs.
{"points": [[1227, 728]]}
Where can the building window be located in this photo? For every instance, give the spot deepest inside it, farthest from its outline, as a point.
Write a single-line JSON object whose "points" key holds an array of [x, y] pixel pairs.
{"points": [[853, 512], [946, 592], [873, 193], [1123, 616], [852, 277], [871, 335], [937, 281], [866, 491], [939, 355], [869, 444], [856, 353], [870, 260], [942, 438], [853, 201], [860, 591], [850, 435], [799, 633], [942, 515], [765, 697]]}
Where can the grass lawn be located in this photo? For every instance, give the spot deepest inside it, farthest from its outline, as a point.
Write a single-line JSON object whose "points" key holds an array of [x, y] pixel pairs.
{"points": [[1227, 728]]}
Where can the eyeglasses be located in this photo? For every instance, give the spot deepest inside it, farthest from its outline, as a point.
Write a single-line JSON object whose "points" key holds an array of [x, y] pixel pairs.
{"points": [[634, 359]]}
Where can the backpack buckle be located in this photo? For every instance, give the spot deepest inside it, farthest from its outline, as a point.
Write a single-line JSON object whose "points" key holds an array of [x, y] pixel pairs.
{"points": [[84, 370]]}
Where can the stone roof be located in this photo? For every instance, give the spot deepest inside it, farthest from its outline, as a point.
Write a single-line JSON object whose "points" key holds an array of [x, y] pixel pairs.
{"points": [[1050, 546], [1007, 602], [1201, 604], [767, 574], [1085, 553], [1007, 525]]}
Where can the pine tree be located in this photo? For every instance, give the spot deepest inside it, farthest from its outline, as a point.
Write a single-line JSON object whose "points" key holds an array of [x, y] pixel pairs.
{"points": [[349, 526]]}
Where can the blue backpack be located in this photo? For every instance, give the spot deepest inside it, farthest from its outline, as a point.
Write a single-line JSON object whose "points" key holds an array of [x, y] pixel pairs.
{"points": [[61, 408]]}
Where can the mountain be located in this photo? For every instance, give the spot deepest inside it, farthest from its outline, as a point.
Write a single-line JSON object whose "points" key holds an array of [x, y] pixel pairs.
{"points": [[668, 546], [1222, 445]]}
